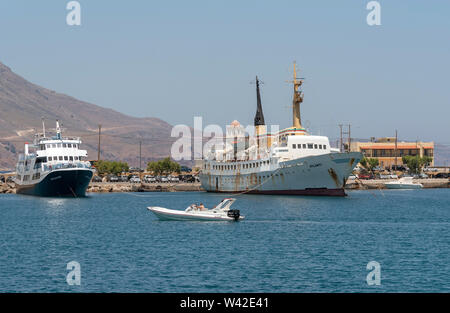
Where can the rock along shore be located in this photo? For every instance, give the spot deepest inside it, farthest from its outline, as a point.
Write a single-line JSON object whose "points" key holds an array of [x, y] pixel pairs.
{"points": [[178, 187], [157, 187]]}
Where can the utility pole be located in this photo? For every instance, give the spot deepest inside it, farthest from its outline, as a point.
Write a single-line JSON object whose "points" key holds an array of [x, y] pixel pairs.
{"points": [[99, 134], [349, 138], [395, 150], [140, 155]]}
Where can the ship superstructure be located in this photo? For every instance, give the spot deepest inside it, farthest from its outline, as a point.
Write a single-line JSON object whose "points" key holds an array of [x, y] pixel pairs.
{"points": [[290, 161], [57, 166]]}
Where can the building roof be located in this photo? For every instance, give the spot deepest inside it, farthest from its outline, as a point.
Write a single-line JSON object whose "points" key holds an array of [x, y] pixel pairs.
{"points": [[392, 146]]}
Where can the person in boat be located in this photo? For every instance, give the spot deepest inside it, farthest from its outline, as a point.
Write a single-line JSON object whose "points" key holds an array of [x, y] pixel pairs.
{"points": [[201, 207], [193, 206]]}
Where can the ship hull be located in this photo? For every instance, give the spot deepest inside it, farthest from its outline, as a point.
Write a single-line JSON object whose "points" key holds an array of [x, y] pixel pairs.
{"points": [[59, 183], [321, 175]]}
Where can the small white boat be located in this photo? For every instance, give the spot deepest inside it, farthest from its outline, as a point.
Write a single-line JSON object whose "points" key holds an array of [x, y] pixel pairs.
{"points": [[220, 212], [403, 183]]}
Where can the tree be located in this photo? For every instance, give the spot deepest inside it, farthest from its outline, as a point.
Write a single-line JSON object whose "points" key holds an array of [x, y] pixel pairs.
{"points": [[369, 163], [416, 163], [164, 166], [111, 167]]}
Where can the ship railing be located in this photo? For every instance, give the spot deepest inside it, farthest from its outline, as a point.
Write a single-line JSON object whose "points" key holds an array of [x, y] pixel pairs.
{"points": [[65, 166]]}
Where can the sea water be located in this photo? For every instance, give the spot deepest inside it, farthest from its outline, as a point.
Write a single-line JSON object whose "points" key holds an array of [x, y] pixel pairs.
{"points": [[285, 243]]}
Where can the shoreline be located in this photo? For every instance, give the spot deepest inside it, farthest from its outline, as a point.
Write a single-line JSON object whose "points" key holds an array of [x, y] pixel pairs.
{"points": [[106, 187]]}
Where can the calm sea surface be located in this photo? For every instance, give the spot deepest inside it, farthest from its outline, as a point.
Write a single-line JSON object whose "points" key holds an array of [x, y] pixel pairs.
{"points": [[285, 244]]}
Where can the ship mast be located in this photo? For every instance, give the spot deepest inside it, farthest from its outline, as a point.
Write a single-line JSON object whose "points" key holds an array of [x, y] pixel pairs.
{"points": [[58, 130], [43, 127], [297, 99]]}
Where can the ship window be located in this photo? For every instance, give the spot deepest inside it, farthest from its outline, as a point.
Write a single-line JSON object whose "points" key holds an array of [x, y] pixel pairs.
{"points": [[324, 146], [293, 146], [71, 158], [60, 158], [26, 177], [66, 158], [64, 145], [49, 158], [54, 145], [320, 146], [59, 145], [304, 146], [69, 145], [310, 145], [48, 146], [299, 146], [315, 146]]}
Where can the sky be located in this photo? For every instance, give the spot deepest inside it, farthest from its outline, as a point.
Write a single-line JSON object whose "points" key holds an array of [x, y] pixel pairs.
{"points": [[178, 59]]}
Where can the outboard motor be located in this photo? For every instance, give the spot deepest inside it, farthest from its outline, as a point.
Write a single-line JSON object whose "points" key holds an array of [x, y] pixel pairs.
{"points": [[234, 214]]}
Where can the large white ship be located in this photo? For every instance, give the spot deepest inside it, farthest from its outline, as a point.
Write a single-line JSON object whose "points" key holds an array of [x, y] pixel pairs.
{"points": [[57, 167], [289, 162]]}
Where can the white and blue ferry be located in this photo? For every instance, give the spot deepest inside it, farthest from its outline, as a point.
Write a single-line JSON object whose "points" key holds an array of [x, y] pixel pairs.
{"points": [[56, 167]]}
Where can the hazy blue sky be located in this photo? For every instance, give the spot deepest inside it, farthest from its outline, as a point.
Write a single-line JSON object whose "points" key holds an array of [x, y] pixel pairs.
{"points": [[177, 59]]}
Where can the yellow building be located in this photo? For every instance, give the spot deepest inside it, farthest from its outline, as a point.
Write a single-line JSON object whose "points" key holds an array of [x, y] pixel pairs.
{"points": [[389, 153]]}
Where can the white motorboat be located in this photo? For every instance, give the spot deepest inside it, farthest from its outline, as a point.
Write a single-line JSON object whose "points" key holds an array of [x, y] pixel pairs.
{"points": [[403, 183], [220, 212]]}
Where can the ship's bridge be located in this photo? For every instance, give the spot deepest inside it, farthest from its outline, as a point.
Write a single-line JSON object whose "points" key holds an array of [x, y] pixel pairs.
{"points": [[60, 150], [293, 147]]}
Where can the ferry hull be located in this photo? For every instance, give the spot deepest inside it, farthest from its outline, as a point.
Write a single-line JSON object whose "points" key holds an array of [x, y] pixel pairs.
{"points": [[59, 183], [321, 175]]}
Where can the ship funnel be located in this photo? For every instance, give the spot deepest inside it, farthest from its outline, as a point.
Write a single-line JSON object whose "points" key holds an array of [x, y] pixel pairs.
{"points": [[26, 148], [259, 116]]}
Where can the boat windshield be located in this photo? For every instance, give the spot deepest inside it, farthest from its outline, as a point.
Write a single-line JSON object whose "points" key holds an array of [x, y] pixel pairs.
{"points": [[225, 204]]}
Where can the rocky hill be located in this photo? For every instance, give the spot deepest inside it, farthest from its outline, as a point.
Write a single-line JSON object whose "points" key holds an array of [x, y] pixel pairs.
{"points": [[23, 104]]}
